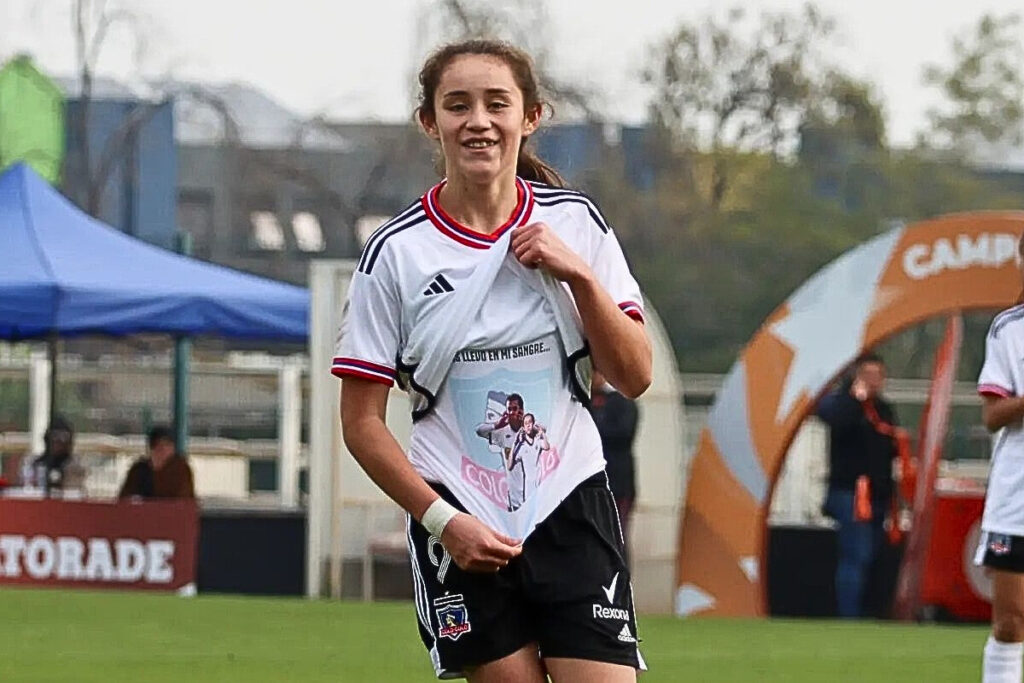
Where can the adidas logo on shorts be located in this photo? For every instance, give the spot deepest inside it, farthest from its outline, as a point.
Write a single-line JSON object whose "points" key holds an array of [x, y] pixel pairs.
{"points": [[625, 635], [439, 285]]}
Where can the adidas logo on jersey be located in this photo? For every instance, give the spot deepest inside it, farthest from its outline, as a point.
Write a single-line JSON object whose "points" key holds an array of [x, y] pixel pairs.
{"points": [[625, 635], [439, 285]]}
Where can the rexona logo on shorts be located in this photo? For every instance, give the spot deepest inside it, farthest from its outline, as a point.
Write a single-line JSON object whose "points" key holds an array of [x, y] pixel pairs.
{"points": [[602, 612], [452, 616], [987, 250], [68, 558]]}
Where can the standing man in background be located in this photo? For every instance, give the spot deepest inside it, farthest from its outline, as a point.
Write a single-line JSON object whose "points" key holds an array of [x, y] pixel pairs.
{"points": [[860, 484], [617, 417]]}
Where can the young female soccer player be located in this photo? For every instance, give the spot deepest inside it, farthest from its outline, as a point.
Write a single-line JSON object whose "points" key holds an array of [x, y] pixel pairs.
{"points": [[501, 595], [1001, 385]]}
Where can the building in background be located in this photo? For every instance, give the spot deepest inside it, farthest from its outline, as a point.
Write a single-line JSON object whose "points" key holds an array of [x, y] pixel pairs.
{"points": [[263, 190], [257, 187], [121, 162]]}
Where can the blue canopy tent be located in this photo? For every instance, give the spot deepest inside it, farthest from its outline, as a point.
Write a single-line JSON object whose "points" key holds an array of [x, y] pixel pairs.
{"points": [[64, 273]]}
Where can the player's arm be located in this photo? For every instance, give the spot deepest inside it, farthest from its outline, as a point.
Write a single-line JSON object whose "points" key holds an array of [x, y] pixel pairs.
{"points": [[473, 545], [1000, 411], [1000, 404], [618, 344], [485, 429], [363, 411]]}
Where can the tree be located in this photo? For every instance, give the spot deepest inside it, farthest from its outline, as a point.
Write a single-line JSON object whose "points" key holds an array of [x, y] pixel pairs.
{"points": [[524, 23], [983, 88], [92, 22], [850, 108], [843, 142], [723, 85]]}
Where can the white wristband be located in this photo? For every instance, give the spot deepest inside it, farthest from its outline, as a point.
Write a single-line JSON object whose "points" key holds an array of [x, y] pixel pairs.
{"points": [[437, 516]]}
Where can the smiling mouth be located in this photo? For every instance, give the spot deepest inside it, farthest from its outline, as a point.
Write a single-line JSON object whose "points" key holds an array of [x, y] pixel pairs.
{"points": [[480, 144]]}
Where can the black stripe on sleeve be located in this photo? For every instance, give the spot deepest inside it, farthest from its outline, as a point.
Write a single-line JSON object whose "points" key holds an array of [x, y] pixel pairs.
{"points": [[370, 257], [594, 214], [549, 192], [399, 222], [1004, 318]]}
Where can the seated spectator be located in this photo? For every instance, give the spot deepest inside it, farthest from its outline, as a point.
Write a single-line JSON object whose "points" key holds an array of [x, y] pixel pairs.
{"points": [[162, 473], [54, 470]]}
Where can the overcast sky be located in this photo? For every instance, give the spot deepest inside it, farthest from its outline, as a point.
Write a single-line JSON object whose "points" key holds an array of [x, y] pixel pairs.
{"points": [[354, 59]]}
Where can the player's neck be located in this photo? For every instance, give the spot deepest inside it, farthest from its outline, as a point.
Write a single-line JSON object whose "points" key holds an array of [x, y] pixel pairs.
{"points": [[482, 207]]}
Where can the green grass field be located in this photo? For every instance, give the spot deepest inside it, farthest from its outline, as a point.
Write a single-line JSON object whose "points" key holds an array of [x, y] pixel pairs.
{"points": [[77, 637]]}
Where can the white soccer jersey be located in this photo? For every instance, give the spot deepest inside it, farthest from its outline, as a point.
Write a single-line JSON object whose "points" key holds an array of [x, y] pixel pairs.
{"points": [[502, 437], [531, 452], [1003, 375], [515, 479], [410, 265]]}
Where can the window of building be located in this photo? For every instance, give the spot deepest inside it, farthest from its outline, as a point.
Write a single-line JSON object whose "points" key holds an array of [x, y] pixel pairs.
{"points": [[266, 231], [308, 234]]}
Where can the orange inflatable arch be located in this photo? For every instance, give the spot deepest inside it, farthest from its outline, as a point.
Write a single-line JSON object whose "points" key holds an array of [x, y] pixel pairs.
{"points": [[898, 279]]}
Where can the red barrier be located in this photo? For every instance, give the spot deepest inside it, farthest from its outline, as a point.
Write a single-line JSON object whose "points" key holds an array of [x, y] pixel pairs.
{"points": [[932, 435], [951, 581], [149, 545]]}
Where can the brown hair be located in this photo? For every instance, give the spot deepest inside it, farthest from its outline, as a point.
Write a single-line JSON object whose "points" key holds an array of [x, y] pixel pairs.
{"points": [[529, 166]]}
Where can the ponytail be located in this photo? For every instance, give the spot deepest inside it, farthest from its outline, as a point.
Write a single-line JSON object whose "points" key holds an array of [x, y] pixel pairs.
{"points": [[529, 166]]}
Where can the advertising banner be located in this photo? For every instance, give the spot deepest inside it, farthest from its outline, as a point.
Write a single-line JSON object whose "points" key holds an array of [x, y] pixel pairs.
{"points": [[150, 545], [894, 281]]}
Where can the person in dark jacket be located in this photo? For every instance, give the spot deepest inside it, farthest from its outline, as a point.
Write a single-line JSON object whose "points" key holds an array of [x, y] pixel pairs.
{"points": [[55, 469], [162, 473], [617, 417], [860, 483]]}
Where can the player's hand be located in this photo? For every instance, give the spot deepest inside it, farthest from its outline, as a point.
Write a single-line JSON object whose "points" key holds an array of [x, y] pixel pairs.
{"points": [[475, 547], [502, 421], [537, 246]]}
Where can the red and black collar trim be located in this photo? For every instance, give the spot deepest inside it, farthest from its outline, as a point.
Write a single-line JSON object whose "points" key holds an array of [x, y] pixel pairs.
{"points": [[467, 236]]}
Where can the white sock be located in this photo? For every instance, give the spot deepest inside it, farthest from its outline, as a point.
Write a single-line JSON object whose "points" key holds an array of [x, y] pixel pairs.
{"points": [[1002, 663]]}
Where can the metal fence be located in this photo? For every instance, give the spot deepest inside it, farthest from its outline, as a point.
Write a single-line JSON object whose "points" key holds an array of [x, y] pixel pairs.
{"points": [[235, 446], [235, 417]]}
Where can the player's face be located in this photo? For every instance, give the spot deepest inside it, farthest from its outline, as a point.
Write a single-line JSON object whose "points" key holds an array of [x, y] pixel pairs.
{"points": [[480, 118], [528, 424], [515, 414]]}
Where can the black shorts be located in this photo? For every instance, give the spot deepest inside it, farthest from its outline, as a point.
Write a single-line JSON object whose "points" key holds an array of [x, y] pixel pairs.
{"points": [[569, 591], [1001, 551]]}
